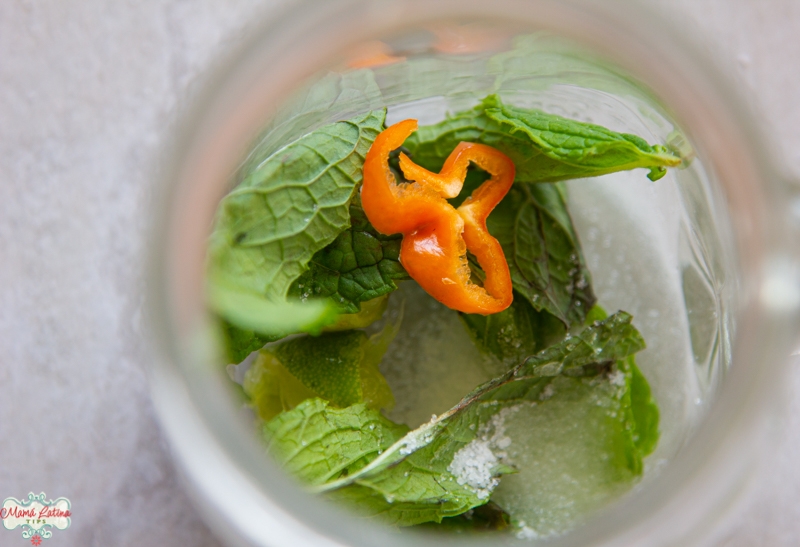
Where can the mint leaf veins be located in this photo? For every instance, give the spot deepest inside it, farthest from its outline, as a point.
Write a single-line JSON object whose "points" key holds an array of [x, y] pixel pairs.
{"points": [[544, 147], [292, 205], [421, 476]]}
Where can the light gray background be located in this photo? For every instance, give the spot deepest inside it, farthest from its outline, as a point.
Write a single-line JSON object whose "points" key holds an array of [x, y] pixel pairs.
{"points": [[88, 93]]}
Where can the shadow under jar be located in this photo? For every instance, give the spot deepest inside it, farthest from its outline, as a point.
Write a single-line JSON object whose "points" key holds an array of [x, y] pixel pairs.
{"points": [[706, 272]]}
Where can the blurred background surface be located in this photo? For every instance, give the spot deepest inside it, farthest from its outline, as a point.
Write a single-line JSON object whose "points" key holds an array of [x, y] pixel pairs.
{"points": [[89, 92]]}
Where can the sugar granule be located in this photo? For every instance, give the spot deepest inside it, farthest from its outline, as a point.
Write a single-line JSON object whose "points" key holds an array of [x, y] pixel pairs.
{"points": [[473, 465]]}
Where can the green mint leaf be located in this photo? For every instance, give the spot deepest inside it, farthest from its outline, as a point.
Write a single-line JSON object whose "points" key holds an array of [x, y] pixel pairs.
{"points": [[333, 97], [453, 463], [318, 443], [292, 205], [487, 517], [371, 311], [411, 493], [574, 450], [249, 311], [584, 149], [597, 313], [579, 444], [328, 365], [455, 472], [644, 409], [339, 367], [543, 252], [547, 268], [239, 343], [475, 177], [514, 333], [544, 147], [430, 145], [602, 343], [360, 265], [644, 414]]}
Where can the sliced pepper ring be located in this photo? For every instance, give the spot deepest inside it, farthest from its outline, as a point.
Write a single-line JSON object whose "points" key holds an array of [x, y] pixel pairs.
{"points": [[437, 236]]}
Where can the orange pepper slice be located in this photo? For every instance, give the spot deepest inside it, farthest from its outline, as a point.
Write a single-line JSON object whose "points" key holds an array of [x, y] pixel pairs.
{"points": [[436, 235]]}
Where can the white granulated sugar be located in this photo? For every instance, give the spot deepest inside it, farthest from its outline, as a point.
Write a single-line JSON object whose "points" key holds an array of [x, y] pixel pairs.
{"points": [[475, 463], [617, 378], [473, 466], [411, 445], [526, 532], [416, 440], [504, 443], [494, 432]]}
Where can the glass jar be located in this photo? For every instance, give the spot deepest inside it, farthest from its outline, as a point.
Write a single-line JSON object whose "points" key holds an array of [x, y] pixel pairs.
{"points": [[703, 258]]}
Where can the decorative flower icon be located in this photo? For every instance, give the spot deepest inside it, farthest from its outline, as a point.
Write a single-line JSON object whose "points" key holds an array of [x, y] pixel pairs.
{"points": [[36, 540]]}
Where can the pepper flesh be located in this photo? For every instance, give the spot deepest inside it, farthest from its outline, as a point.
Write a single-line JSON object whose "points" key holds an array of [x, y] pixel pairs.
{"points": [[436, 235]]}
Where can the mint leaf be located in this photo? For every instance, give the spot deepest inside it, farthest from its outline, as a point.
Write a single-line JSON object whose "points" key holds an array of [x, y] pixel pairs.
{"points": [[328, 365], [584, 149], [333, 97], [597, 313], [447, 466], [248, 320], [484, 518], [253, 312], [573, 448], [545, 262], [543, 252], [644, 409], [411, 493], [339, 367], [301, 439], [644, 414], [370, 312], [602, 343], [576, 451], [577, 447], [430, 145], [514, 333], [361, 264], [318, 443], [239, 343], [292, 205], [544, 147], [532, 223]]}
